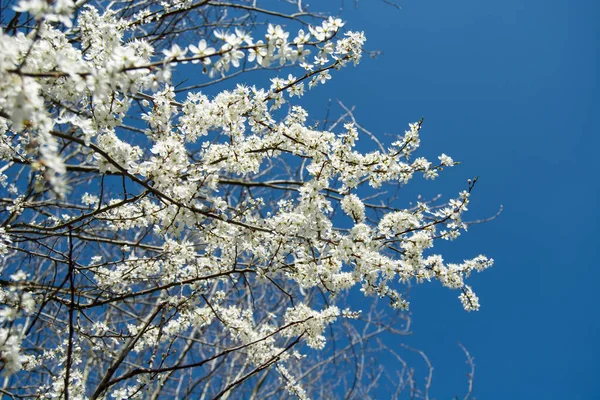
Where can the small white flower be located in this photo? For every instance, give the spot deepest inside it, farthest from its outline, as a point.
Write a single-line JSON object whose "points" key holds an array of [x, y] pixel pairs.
{"points": [[175, 52], [446, 160], [202, 51]]}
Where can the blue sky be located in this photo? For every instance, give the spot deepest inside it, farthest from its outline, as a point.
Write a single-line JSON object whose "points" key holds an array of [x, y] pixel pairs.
{"points": [[511, 90]]}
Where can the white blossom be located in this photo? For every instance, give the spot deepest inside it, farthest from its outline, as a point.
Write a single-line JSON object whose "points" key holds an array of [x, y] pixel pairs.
{"points": [[139, 220], [353, 207]]}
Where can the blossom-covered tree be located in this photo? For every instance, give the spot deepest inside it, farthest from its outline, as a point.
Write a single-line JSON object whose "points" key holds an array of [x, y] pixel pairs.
{"points": [[159, 240]]}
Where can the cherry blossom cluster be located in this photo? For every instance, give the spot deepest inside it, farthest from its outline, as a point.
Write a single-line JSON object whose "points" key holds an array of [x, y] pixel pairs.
{"points": [[175, 209]]}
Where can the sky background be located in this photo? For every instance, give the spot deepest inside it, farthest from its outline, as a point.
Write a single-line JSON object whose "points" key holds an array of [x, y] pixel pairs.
{"points": [[510, 89]]}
